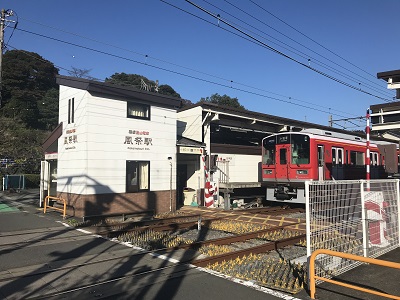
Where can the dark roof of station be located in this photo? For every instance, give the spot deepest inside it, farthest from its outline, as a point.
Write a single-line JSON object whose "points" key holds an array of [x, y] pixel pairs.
{"points": [[395, 75], [118, 91], [275, 123]]}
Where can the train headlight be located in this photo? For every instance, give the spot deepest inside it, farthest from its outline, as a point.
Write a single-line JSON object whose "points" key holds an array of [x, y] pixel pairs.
{"points": [[267, 172], [302, 172]]}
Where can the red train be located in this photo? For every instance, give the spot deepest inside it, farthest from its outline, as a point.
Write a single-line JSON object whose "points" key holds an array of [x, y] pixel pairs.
{"points": [[291, 158]]}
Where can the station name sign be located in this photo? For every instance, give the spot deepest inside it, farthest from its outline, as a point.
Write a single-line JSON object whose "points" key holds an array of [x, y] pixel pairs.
{"points": [[189, 150]]}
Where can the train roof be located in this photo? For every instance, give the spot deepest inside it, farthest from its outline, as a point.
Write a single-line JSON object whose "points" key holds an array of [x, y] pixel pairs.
{"points": [[339, 135]]}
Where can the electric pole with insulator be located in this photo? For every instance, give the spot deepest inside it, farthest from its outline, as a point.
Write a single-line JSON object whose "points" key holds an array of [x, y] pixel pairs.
{"points": [[2, 20]]}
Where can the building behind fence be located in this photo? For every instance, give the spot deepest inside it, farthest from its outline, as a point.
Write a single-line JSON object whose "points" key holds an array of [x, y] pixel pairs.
{"points": [[358, 217]]}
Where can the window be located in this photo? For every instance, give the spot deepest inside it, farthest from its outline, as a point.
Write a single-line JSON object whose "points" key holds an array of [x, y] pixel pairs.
{"points": [[320, 156], [137, 176], [71, 110], [282, 154], [139, 111], [268, 151], [337, 156], [357, 158], [300, 148], [374, 158]]}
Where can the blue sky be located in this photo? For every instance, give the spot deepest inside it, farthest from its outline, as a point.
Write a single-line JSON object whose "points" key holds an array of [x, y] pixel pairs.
{"points": [[348, 41]]}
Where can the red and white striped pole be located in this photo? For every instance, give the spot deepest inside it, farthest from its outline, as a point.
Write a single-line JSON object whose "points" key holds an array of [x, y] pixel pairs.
{"points": [[368, 159]]}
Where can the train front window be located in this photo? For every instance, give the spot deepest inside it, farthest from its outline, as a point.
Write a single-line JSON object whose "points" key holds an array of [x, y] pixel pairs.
{"points": [[300, 145], [268, 155], [282, 154]]}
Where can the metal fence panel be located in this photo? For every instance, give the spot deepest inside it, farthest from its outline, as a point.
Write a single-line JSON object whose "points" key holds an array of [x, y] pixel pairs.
{"points": [[357, 217]]}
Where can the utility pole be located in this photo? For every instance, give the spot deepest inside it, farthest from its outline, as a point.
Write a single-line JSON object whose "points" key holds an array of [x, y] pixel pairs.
{"points": [[3, 14], [2, 20]]}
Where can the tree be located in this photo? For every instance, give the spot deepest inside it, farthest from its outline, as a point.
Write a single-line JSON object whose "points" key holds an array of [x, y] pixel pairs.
{"points": [[224, 100], [81, 73], [21, 146], [141, 82], [26, 79], [48, 110], [167, 90]]}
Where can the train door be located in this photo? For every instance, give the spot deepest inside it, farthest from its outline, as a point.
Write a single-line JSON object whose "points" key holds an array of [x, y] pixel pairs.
{"points": [[282, 161], [321, 163], [337, 163]]}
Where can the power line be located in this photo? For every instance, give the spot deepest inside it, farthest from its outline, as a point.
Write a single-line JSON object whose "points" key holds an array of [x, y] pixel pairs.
{"points": [[191, 69], [181, 74], [322, 46], [300, 53], [218, 17], [177, 73]]}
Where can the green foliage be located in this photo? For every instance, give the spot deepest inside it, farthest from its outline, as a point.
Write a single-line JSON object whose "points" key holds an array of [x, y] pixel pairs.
{"points": [[135, 80], [224, 100], [32, 181], [167, 90], [29, 106], [22, 145], [27, 77], [48, 110]]}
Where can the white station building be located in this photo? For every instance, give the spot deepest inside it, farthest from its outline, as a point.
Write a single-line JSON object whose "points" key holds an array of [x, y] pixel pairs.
{"points": [[119, 149]]}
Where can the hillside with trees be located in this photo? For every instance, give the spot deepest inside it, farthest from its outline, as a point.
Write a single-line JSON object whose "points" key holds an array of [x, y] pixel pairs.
{"points": [[29, 110]]}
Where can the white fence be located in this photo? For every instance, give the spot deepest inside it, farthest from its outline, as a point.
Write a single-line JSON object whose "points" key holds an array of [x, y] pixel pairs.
{"points": [[358, 217]]}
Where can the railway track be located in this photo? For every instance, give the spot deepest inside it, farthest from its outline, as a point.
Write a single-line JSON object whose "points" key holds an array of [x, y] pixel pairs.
{"points": [[224, 250], [254, 242]]}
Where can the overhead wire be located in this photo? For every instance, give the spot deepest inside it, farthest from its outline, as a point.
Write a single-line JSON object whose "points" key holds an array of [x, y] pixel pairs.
{"points": [[164, 61], [298, 52], [176, 72], [311, 39], [261, 43], [273, 98], [204, 73]]}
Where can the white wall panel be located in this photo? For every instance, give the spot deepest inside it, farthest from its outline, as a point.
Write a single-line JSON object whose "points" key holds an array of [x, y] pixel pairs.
{"points": [[242, 168], [190, 123]]}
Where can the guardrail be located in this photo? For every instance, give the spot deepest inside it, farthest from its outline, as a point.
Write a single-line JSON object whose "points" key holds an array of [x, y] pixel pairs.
{"points": [[46, 205], [374, 261]]}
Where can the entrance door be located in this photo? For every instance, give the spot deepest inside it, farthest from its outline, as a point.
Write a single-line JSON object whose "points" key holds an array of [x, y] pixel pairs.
{"points": [[44, 180], [282, 162], [181, 182]]}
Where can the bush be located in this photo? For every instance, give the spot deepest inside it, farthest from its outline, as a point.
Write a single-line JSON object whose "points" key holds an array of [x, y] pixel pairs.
{"points": [[32, 181]]}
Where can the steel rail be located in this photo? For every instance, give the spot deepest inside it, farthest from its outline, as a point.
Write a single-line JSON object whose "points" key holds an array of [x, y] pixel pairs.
{"points": [[275, 245]]}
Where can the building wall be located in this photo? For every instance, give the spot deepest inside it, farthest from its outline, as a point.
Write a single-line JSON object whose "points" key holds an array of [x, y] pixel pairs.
{"points": [[190, 123], [92, 160], [242, 168], [101, 204], [72, 146]]}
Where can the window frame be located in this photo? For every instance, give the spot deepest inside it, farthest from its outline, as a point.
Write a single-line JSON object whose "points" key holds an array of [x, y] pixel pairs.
{"points": [[71, 111], [136, 167], [146, 107]]}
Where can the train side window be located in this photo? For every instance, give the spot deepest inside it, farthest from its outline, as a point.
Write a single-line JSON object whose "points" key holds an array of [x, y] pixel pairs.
{"points": [[340, 156], [374, 159], [320, 155], [282, 154], [333, 156], [357, 158], [347, 157]]}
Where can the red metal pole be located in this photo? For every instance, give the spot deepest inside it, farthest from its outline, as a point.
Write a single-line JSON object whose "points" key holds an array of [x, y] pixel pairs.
{"points": [[368, 160]]}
